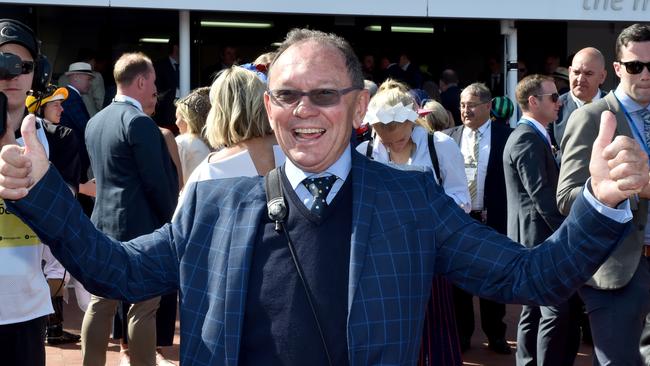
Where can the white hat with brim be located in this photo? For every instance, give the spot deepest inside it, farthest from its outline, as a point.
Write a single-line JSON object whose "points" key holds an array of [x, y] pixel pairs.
{"points": [[80, 68]]}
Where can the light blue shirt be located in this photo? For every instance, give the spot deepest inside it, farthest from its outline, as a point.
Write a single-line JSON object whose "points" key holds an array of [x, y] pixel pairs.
{"points": [[632, 109], [341, 169], [127, 99]]}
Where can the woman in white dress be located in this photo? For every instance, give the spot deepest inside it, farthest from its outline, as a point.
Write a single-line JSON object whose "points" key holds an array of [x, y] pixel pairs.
{"points": [[237, 123], [191, 114], [401, 143]]}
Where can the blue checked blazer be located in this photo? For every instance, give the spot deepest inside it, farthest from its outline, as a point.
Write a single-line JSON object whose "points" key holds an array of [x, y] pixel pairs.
{"points": [[404, 230]]}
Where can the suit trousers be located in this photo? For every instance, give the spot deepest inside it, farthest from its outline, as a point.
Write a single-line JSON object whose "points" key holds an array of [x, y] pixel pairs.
{"points": [[617, 317], [543, 336], [645, 335], [96, 328], [492, 314]]}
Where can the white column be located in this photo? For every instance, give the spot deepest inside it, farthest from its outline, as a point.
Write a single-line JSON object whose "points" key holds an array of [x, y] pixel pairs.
{"points": [[184, 42], [510, 55]]}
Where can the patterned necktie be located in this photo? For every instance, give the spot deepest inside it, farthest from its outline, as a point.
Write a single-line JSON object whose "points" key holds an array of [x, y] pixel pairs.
{"points": [[473, 161], [319, 188], [645, 117]]}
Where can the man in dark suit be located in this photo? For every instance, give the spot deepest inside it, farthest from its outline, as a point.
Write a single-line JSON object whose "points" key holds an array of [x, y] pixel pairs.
{"points": [[137, 190], [617, 297], [531, 175], [367, 248], [482, 143], [167, 83], [586, 74], [450, 94], [75, 115]]}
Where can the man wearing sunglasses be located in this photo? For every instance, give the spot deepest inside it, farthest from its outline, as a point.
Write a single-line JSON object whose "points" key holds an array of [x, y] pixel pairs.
{"points": [[25, 297], [617, 297], [531, 175], [368, 248]]}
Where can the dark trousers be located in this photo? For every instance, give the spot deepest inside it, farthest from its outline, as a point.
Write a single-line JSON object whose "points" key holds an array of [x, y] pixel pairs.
{"points": [[23, 344], [617, 318], [544, 336], [492, 314], [166, 320]]}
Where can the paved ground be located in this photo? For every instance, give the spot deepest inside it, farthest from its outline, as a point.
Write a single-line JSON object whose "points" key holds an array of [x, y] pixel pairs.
{"points": [[478, 355]]}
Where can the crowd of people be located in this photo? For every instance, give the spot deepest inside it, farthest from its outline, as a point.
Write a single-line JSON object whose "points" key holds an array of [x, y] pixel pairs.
{"points": [[389, 207]]}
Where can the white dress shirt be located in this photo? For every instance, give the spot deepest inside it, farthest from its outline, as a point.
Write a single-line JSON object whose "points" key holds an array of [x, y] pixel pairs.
{"points": [[340, 169], [450, 159], [485, 136]]}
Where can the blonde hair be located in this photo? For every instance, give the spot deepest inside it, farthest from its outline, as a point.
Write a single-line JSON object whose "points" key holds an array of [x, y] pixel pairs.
{"points": [[437, 118], [237, 113], [194, 109]]}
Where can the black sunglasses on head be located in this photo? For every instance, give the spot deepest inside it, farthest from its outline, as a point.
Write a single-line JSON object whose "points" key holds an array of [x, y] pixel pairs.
{"points": [[319, 97], [554, 96], [635, 67]]}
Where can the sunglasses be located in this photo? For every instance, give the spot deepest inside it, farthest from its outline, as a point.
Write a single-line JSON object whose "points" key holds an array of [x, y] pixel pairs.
{"points": [[27, 67], [635, 67], [318, 97], [554, 96]]}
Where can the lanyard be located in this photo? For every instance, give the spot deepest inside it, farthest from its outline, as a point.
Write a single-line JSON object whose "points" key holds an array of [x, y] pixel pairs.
{"points": [[635, 130], [540, 134], [537, 131]]}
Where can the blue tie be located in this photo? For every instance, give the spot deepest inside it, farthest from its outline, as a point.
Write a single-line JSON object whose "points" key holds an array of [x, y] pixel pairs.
{"points": [[319, 188]]}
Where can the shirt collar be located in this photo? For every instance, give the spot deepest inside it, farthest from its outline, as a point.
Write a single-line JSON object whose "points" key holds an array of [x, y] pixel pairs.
{"points": [[73, 88], [341, 169], [127, 99], [580, 103], [537, 125], [481, 130], [628, 103]]}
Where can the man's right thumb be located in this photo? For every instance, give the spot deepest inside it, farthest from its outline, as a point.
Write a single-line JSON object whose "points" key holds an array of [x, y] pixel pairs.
{"points": [[28, 132], [606, 130]]}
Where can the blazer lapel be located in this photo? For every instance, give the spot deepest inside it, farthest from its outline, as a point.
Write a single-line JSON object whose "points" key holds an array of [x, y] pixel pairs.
{"points": [[245, 222], [363, 192]]}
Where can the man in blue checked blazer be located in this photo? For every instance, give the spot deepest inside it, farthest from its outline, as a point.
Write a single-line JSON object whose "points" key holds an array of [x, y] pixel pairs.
{"points": [[368, 256]]}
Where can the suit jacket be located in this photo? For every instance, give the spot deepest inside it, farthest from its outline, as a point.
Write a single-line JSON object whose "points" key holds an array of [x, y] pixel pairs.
{"points": [[494, 196], [404, 229], [75, 116], [137, 184], [531, 176], [166, 83], [64, 152], [581, 131], [450, 99]]}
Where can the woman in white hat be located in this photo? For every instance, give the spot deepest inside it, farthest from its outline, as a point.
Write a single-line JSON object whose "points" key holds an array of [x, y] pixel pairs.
{"points": [[401, 143]]}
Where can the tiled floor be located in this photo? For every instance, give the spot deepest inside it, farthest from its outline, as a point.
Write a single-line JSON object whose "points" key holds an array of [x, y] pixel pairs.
{"points": [[478, 355]]}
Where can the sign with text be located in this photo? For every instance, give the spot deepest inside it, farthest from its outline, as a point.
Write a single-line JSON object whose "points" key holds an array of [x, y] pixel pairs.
{"points": [[606, 10]]}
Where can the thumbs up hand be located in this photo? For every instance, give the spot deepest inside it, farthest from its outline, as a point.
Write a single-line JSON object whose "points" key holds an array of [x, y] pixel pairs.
{"points": [[22, 167], [619, 168]]}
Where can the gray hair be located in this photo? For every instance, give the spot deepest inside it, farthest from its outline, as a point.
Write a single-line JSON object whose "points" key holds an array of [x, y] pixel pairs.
{"points": [[302, 35], [479, 90]]}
